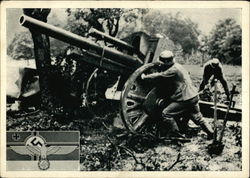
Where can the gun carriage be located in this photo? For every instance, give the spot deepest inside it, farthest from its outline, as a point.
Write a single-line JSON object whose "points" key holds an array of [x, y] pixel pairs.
{"points": [[126, 60]]}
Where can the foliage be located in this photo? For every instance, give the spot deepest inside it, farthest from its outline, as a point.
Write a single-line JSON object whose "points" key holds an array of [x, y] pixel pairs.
{"points": [[194, 58], [225, 41], [203, 47], [178, 54], [132, 21], [21, 46], [69, 78], [180, 30], [103, 19]]}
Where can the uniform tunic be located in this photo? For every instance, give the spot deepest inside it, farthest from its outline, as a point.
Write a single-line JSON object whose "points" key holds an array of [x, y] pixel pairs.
{"points": [[217, 72], [181, 81], [184, 98]]}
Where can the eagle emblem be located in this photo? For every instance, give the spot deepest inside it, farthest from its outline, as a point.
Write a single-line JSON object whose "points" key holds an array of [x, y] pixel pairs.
{"points": [[37, 146]]}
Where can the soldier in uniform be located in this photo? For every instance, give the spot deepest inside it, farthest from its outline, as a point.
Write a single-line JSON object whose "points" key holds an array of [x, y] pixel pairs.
{"points": [[183, 99], [214, 68]]}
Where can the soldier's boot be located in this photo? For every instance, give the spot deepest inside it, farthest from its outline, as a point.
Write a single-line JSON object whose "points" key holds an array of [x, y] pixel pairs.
{"points": [[206, 127], [169, 128], [183, 124]]}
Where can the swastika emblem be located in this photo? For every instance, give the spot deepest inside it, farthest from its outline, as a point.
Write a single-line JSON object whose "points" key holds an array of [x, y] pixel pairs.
{"points": [[43, 150]]}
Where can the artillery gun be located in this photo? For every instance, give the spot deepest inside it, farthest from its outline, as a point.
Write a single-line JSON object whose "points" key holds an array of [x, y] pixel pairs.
{"points": [[140, 100], [127, 61]]}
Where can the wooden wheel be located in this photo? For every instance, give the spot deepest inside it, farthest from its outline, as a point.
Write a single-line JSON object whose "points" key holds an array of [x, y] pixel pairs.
{"points": [[141, 100], [95, 88]]}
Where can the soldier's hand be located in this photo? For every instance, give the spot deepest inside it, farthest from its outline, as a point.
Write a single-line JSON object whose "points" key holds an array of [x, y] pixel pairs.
{"points": [[143, 76]]}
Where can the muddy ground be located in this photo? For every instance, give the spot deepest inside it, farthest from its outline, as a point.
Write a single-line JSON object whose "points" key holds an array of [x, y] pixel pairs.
{"points": [[106, 148]]}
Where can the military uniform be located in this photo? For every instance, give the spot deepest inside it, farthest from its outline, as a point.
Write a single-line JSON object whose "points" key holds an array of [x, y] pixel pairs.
{"points": [[214, 68], [183, 100]]}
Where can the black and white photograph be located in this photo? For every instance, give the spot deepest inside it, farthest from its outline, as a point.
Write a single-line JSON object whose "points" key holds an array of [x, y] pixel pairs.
{"points": [[142, 88]]}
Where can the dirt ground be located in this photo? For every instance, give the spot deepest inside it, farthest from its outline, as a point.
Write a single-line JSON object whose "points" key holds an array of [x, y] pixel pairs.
{"points": [[107, 148]]}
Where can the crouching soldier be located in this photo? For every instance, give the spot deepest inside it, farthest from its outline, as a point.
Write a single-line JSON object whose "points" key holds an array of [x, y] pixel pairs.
{"points": [[214, 68], [183, 100]]}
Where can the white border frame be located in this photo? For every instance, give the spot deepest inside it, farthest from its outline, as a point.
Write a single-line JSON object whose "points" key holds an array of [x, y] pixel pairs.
{"points": [[133, 4]]}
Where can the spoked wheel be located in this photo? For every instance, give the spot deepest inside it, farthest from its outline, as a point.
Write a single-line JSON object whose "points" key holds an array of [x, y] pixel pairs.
{"points": [[141, 101], [95, 89]]}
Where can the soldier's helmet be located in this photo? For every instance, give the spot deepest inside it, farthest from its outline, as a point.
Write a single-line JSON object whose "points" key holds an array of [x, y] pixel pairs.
{"points": [[167, 57]]}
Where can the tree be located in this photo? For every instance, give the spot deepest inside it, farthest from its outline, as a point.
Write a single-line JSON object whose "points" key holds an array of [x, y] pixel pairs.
{"points": [[132, 21], [225, 41], [180, 30], [42, 57], [203, 47], [103, 19], [21, 47]]}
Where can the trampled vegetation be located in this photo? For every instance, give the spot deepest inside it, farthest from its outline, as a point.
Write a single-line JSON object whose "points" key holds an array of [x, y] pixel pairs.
{"points": [[106, 146]]}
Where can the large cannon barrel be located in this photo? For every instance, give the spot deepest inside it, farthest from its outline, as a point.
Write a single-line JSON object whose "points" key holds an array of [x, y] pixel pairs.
{"points": [[79, 41], [119, 43]]}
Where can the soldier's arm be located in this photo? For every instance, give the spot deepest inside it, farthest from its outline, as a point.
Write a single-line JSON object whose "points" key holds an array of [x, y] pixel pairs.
{"points": [[220, 72], [165, 74]]}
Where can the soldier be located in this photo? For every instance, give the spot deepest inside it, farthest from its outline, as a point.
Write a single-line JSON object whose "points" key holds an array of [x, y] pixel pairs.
{"points": [[183, 100], [214, 68]]}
